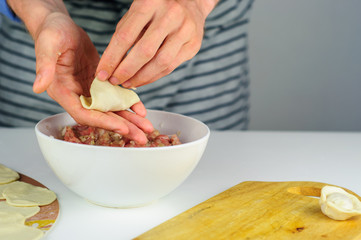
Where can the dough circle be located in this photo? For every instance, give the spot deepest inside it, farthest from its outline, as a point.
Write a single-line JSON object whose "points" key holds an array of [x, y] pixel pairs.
{"points": [[106, 97], [24, 211], [7, 175], [12, 226], [21, 194], [11, 218], [15, 231], [2, 188]]}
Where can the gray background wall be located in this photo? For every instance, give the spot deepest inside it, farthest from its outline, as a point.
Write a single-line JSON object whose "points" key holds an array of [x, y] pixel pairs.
{"points": [[305, 61]]}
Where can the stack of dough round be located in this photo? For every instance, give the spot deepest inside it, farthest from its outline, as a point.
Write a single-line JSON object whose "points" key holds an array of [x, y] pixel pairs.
{"points": [[22, 201], [12, 226]]}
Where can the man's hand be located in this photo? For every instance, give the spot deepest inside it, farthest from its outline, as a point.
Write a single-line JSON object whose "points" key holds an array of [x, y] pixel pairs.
{"points": [[66, 60], [152, 39]]}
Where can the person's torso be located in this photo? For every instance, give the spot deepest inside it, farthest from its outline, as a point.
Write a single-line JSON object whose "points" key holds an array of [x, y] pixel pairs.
{"points": [[212, 87]]}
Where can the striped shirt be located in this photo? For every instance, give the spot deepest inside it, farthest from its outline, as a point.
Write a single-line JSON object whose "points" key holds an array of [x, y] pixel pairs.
{"points": [[212, 87]]}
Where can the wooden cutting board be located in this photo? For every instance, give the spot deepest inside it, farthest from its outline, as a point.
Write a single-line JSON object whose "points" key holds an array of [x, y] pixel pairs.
{"points": [[45, 219], [259, 210]]}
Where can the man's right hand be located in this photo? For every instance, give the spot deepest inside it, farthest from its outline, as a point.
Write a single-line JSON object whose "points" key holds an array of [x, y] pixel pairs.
{"points": [[66, 61]]}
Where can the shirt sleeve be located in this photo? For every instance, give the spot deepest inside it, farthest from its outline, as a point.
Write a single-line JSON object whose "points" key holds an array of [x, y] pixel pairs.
{"points": [[5, 10]]}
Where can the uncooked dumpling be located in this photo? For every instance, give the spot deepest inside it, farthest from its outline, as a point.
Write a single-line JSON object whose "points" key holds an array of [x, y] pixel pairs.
{"points": [[106, 97], [21, 194], [338, 204], [7, 175]]}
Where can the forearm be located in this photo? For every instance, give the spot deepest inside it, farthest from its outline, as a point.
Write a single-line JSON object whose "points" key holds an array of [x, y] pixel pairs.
{"points": [[33, 12]]}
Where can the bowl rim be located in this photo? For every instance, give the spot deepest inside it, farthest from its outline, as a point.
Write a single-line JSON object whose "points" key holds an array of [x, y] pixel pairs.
{"points": [[52, 138]]}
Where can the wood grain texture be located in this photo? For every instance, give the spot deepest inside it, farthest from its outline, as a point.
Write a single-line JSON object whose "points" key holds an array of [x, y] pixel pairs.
{"points": [[259, 210]]}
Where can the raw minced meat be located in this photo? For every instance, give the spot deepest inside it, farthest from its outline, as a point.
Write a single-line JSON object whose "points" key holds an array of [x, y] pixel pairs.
{"points": [[101, 137]]}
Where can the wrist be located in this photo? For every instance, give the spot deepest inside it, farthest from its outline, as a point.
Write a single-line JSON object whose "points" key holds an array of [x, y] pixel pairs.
{"points": [[33, 12]]}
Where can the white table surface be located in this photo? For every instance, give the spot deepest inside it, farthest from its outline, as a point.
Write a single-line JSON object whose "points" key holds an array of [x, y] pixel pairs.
{"points": [[230, 158]]}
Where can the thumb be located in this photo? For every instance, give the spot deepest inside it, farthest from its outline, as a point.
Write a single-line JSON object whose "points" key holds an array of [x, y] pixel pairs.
{"points": [[43, 79], [47, 55]]}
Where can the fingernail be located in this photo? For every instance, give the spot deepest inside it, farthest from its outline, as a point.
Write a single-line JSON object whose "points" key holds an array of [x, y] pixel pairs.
{"points": [[37, 80], [102, 75], [114, 80], [127, 84], [36, 84]]}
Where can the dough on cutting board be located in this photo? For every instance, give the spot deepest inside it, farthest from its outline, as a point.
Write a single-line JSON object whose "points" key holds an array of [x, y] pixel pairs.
{"points": [[106, 97], [12, 227], [2, 187], [24, 211], [11, 218], [16, 231], [7, 175], [26, 195]]}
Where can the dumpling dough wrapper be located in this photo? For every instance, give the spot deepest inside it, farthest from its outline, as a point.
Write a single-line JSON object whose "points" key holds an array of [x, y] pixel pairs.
{"points": [[15, 231], [24, 211], [12, 227], [106, 97], [7, 175], [22, 194], [2, 188]]}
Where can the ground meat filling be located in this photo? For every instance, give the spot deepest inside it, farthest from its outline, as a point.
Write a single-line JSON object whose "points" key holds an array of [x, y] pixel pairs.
{"points": [[101, 137]]}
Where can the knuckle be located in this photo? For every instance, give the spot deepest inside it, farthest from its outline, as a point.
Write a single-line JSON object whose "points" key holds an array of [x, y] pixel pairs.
{"points": [[189, 31], [147, 50], [191, 26], [195, 46], [123, 73], [79, 120], [163, 60], [123, 37], [142, 6], [176, 10], [169, 69], [174, 15]]}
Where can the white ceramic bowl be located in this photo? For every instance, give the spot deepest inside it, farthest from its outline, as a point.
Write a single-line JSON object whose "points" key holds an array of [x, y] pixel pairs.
{"points": [[124, 177]]}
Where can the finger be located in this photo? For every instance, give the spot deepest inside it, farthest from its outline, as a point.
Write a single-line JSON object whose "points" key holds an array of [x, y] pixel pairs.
{"points": [[187, 52], [140, 122], [127, 32], [110, 121], [139, 109], [145, 49], [134, 132], [162, 61], [47, 52], [71, 103]]}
